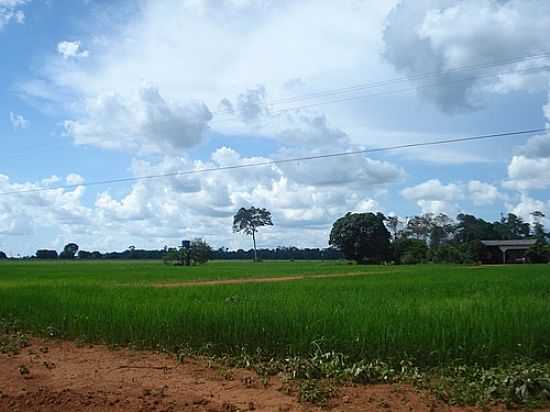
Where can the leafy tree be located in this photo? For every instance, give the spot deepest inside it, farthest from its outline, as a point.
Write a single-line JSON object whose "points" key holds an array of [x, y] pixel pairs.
{"points": [[419, 227], [394, 225], [362, 237], [471, 228], [410, 251], [199, 252], [511, 227], [172, 256], [46, 254], [69, 251], [82, 254], [538, 253], [441, 229], [249, 220], [538, 227], [2, 255]]}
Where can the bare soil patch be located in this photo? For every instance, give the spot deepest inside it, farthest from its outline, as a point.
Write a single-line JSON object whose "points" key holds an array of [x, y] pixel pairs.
{"points": [[273, 279], [61, 376]]}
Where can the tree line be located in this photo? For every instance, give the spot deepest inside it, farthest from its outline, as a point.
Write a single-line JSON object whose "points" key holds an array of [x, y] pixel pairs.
{"points": [[222, 253], [375, 238], [363, 237]]}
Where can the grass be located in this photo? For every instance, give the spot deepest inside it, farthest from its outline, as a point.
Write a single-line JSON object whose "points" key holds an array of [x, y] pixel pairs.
{"points": [[132, 272], [432, 314]]}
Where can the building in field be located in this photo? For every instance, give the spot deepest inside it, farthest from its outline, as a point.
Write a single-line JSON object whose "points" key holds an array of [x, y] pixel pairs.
{"points": [[506, 251]]}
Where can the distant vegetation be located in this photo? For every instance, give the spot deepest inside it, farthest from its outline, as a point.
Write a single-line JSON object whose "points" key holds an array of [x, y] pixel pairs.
{"points": [[362, 237], [375, 238]]}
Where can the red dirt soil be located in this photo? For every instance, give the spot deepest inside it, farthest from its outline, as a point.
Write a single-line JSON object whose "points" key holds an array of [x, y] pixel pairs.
{"points": [[61, 376]]}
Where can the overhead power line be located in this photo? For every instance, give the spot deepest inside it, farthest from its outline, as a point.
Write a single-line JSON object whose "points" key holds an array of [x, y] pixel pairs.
{"points": [[389, 92], [281, 161], [421, 76]]}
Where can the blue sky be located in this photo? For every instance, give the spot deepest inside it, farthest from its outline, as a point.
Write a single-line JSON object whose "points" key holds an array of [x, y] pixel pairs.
{"points": [[94, 90]]}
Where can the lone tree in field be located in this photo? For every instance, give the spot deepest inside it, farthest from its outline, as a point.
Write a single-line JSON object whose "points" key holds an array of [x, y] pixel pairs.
{"points": [[69, 251], [362, 237], [249, 220]]}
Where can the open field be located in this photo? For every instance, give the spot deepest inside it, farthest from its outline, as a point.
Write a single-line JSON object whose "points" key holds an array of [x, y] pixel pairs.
{"points": [[431, 314]]}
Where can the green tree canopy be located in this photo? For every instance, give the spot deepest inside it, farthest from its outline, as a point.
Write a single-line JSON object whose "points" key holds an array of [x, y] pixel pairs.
{"points": [[362, 237], [69, 251], [249, 220]]}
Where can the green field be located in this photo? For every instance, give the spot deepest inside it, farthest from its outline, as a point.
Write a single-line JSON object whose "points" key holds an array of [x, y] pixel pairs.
{"points": [[433, 314]]}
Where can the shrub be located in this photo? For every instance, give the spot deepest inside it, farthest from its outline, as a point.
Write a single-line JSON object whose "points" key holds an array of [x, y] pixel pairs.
{"points": [[538, 253], [410, 251]]}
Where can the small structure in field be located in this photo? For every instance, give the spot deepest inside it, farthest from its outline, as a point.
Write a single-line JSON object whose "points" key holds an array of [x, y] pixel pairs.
{"points": [[506, 251]]}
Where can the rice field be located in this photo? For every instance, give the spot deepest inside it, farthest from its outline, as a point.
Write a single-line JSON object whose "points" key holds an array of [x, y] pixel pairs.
{"points": [[432, 314]]}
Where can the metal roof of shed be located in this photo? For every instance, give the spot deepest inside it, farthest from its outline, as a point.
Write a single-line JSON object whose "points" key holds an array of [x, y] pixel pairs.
{"points": [[518, 242]]}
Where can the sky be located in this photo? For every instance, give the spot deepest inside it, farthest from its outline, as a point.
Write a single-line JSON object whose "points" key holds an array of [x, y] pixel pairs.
{"points": [[96, 90]]}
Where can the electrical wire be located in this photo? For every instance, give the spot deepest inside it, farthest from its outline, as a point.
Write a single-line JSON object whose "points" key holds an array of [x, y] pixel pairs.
{"points": [[281, 161]]}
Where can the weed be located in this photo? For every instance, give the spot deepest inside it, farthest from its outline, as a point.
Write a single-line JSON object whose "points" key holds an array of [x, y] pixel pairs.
{"points": [[315, 391]]}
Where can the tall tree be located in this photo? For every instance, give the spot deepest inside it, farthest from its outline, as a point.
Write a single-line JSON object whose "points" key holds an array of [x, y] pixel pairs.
{"points": [[394, 225], [538, 227], [441, 229], [2, 255], [419, 227], [512, 227], [470, 228], [362, 237], [249, 220]]}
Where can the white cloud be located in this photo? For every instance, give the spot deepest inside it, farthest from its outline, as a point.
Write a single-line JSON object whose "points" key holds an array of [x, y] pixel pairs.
{"points": [[482, 193], [527, 205], [432, 196], [537, 146], [145, 122], [10, 10], [441, 35], [18, 121], [433, 190], [437, 206], [71, 49], [74, 179], [528, 173]]}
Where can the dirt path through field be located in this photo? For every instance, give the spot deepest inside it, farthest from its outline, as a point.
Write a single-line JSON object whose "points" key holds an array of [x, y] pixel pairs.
{"points": [[58, 376], [187, 283]]}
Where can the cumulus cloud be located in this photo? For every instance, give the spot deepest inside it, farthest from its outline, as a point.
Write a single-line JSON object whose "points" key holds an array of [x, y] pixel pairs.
{"points": [[433, 190], [251, 104], [10, 10], [145, 122], [55, 207], [526, 205], [71, 49], [18, 121], [443, 35], [530, 169], [526, 173], [74, 179], [482, 193], [311, 129], [357, 171], [537, 147], [432, 196]]}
